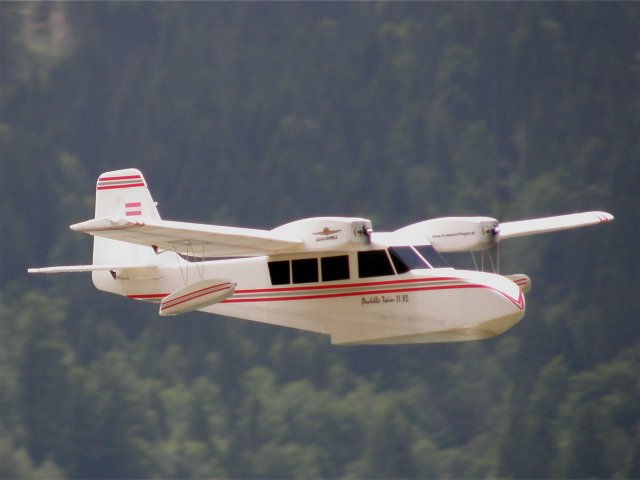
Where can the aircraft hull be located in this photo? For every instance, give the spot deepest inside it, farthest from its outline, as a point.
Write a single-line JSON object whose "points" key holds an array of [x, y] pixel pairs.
{"points": [[420, 306], [417, 309]]}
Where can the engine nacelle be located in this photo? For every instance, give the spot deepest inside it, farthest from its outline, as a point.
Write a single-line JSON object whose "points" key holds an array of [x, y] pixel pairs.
{"points": [[456, 234], [330, 233]]}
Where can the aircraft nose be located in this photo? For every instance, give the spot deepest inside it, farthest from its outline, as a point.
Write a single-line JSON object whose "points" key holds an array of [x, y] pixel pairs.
{"points": [[510, 314], [503, 287], [513, 310], [516, 299], [503, 306]]}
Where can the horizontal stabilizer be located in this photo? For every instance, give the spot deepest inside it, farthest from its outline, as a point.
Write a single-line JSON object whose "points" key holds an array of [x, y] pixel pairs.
{"points": [[196, 295], [551, 224], [87, 268]]}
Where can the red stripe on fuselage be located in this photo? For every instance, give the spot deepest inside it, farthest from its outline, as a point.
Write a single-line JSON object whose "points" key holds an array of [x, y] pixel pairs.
{"points": [[518, 303], [348, 285], [148, 296], [350, 294], [396, 286]]}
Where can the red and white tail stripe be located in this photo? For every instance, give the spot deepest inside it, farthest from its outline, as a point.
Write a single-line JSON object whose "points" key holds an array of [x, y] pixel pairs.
{"points": [[133, 209], [123, 181]]}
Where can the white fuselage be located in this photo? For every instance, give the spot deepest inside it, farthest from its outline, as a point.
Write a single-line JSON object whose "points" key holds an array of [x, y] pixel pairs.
{"points": [[418, 306]]}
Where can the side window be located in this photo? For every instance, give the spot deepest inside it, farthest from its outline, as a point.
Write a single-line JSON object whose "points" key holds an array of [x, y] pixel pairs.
{"points": [[335, 268], [374, 263], [279, 272], [304, 270], [284, 272], [405, 259]]}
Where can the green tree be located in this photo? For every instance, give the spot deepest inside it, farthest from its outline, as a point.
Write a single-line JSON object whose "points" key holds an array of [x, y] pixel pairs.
{"points": [[598, 420], [387, 446], [548, 394], [110, 424], [43, 379]]}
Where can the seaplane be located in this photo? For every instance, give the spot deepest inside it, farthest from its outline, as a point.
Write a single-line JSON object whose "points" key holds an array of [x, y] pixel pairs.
{"points": [[331, 275]]}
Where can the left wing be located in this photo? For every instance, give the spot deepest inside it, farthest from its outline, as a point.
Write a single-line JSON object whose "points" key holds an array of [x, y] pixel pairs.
{"points": [[551, 224], [191, 238]]}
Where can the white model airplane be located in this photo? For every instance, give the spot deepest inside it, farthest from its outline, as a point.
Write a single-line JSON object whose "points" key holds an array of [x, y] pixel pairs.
{"points": [[332, 275]]}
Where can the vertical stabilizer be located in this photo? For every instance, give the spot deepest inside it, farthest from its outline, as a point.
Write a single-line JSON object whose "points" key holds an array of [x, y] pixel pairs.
{"points": [[123, 193]]}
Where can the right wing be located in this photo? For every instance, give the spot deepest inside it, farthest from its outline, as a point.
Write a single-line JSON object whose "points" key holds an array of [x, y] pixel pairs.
{"points": [[191, 238]]}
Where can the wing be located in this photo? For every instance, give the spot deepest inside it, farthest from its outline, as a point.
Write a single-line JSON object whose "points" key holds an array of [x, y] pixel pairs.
{"points": [[87, 268], [191, 238], [551, 224]]}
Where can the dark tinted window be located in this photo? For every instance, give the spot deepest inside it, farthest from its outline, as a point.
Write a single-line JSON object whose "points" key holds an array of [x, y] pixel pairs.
{"points": [[405, 259], [335, 268], [279, 272], [374, 263], [305, 270], [430, 255]]}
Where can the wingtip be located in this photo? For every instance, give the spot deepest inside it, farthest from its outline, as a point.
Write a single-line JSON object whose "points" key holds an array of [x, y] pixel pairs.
{"points": [[605, 216]]}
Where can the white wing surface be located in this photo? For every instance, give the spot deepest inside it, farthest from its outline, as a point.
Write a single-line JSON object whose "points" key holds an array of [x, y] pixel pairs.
{"points": [[191, 238], [551, 224], [87, 268]]}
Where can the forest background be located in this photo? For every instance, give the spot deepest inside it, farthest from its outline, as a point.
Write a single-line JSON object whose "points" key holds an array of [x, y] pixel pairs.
{"points": [[256, 114]]}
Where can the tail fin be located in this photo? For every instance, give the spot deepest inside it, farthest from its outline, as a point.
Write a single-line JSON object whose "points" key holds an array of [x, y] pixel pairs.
{"points": [[120, 267], [123, 193]]}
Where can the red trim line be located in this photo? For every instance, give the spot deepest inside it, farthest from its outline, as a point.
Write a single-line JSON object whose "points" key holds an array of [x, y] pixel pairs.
{"points": [[519, 303], [149, 296], [113, 187], [347, 285], [349, 294], [197, 294], [125, 177]]}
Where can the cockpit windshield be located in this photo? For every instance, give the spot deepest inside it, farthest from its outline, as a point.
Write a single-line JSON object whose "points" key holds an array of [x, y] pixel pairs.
{"points": [[413, 258], [405, 259], [430, 255]]}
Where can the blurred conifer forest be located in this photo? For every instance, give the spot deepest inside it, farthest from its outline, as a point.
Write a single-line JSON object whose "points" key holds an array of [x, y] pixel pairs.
{"points": [[257, 114]]}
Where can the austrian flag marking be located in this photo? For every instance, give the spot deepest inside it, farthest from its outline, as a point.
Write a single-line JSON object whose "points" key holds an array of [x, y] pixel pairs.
{"points": [[123, 181], [133, 209]]}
